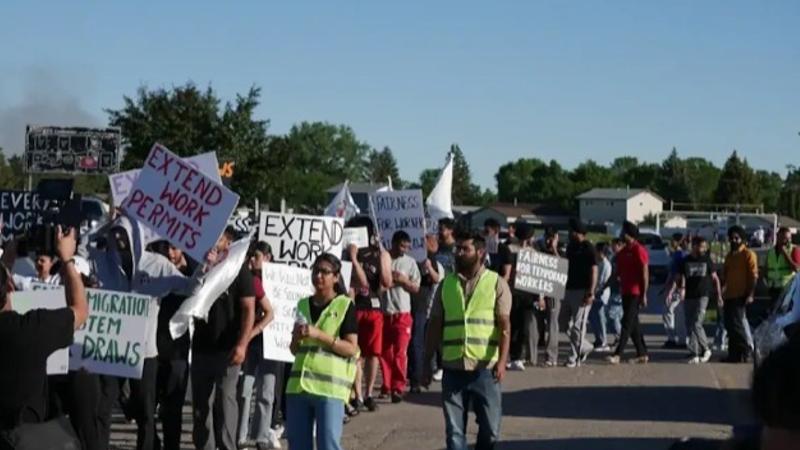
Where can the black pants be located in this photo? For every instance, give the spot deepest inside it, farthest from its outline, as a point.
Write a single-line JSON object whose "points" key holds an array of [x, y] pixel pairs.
{"points": [[279, 407], [735, 317], [521, 318], [143, 406], [77, 395], [172, 380], [631, 328]]}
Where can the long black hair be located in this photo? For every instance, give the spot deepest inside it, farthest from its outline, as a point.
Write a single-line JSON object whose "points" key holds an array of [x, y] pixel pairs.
{"points": [[337, 269]]}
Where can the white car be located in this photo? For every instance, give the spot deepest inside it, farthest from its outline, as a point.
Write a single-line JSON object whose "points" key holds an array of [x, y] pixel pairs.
{"points": [[658, 255]]}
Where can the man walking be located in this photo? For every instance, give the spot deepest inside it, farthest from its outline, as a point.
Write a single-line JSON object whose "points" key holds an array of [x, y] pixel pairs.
{"points": [[739, 284], [581, 285], [397, 321], [696, 280], [783, 261], [634, 279], [674, 314], [470, 318]]}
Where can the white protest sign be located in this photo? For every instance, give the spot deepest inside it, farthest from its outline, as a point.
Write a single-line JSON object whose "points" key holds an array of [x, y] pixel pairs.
{"points": [[297, 239], [114, 338], [355, 235], [401, 210], [541, 273], [346, 273], [50, 298], [122, 182], [183, 205], [284, 286]]}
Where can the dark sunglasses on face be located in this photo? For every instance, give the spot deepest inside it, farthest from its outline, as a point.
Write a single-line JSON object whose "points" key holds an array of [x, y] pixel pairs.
{"points": [[323, 271]]}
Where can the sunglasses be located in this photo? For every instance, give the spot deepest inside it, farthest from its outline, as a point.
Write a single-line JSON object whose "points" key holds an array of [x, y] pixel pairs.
{"points": [[323, 271]]}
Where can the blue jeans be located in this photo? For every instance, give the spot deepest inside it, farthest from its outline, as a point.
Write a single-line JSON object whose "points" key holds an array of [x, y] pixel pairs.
{"points": [[462, 390], [597, 317], [416, 351], [615, 312], [303, 410]]}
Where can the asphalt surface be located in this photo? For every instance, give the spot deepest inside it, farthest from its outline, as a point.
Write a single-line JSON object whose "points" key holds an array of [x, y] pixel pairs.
{"points": [[595, 406]]}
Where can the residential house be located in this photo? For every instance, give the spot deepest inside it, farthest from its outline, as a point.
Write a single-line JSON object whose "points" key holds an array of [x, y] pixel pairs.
{"points": [[601, 206]]}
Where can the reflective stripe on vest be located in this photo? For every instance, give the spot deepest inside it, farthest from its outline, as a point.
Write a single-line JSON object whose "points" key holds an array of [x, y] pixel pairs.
{"points": [[779, 271], [469, 327], [318, 370]]}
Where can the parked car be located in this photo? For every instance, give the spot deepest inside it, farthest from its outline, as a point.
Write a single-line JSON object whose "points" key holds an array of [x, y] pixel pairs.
{"points": [[657, 254], [783, 321]]}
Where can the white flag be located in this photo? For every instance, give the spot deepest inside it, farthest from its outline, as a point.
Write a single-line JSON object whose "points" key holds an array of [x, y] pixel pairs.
{"points": [[217, 281], [440, 200], [343, 204]]}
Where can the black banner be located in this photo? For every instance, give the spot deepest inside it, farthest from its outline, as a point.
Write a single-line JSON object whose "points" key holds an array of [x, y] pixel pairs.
{"points": [[72, 150], [19, 210]]}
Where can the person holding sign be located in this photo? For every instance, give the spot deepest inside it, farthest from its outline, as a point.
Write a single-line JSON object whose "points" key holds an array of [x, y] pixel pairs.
{"points": [[27, 340], [325, 345], [581, 288], [470, 322]]}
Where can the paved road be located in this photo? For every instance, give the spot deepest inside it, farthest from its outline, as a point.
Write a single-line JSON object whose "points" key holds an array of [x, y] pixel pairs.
{"points": [[596, 406]]}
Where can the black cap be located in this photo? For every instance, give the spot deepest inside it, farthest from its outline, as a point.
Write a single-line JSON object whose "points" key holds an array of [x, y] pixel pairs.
{"points": [[577, 226]]}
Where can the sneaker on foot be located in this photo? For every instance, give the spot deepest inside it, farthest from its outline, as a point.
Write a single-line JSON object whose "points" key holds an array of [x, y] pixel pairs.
{"points": [[549, 364], [246, 444], [602, 349], [612, 359], [371, 404], [571, 364], [517, 365], [585, 356], [437, 376], [397, 397], [639, 360], [694, 360], [274, 442], [706, 356]]}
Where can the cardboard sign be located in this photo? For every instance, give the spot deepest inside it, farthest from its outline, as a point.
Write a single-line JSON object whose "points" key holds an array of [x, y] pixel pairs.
{"points": [[540, 273], [401, 210], [114, 338], [122, 182], [357, 235], [49, 298], [72, 149], [19, 210], [180, 203], [284, 286], [297, 239]]}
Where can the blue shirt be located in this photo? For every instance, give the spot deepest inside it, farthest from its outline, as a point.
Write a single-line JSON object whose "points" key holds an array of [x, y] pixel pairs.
{"points": [[677, 260]]}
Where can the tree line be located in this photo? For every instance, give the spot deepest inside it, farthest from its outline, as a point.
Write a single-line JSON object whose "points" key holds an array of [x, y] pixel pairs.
{"points": [[301, 165]]}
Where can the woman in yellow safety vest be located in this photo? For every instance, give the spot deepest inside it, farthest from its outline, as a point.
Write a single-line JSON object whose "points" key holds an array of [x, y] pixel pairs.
{"points": [[325, 345]]}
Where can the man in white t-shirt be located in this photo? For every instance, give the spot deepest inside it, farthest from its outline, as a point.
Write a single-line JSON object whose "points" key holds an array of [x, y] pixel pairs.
{"points": [[397, 320]]}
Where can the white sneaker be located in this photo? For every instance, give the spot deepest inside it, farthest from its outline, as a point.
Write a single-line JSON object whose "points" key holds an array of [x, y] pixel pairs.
{"points": [[438, 375], [695, 360], [517, 365], [706, 356], [602, 349], [279, 431], [274, 442]]}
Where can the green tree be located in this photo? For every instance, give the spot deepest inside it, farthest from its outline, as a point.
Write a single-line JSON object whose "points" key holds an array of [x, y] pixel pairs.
{"points": [[514, 179], [589, 175], [465, 192], [672, 182], [552, 184], [622, 165], [427, 180], [737, 183], [383, 165], [770, 185], [190, 121], [789, 201], [702, 178]]}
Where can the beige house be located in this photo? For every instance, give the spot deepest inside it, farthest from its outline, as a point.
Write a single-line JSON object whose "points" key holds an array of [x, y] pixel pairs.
{"points": [[601, 206]]}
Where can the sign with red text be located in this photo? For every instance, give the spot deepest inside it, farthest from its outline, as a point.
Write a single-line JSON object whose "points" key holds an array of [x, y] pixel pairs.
{"points": [[298, 240], [180, 203], [122, 182]]}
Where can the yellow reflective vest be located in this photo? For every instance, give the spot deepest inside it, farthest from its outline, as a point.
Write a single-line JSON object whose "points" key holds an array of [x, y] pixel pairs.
{"points": [[318, 370], [469, 327], [779, 271]]}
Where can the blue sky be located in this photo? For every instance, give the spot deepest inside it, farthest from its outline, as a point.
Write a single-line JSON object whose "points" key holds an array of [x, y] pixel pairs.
{"points": [[547, 79]]}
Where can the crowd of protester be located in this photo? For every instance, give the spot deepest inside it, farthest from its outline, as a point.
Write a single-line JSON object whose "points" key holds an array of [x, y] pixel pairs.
{"points": [[454, 318]]}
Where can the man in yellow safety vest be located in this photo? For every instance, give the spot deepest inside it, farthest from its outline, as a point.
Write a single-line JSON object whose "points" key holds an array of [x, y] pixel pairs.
{"points": [[782, 263], [470, 323]]}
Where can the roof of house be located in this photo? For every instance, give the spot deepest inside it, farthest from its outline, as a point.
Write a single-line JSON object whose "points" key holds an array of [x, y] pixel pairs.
{"points": [[358, 188], [614, 194], [527, 209]]}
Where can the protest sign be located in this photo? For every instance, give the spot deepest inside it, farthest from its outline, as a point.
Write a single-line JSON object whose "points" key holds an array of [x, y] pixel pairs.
{"points": [[19, 210], [297, 239], [284, 286], [122, 182], [541, 273], [346, 274], [114, 338], [180, 203], [401, 210], [24, 301], [72, 149], [356, 235]]}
